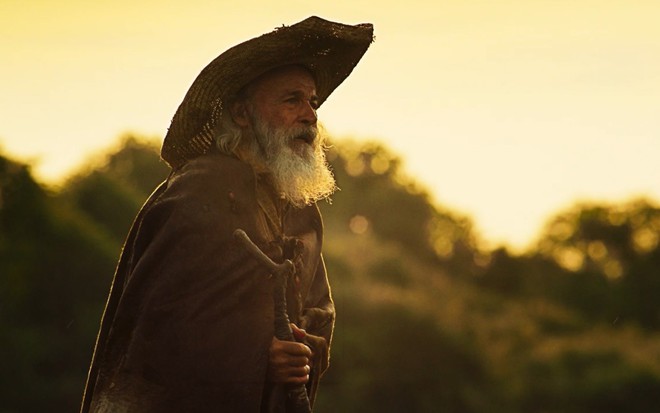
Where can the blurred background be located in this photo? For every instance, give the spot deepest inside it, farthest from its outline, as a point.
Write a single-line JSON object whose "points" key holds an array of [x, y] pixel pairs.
{"points": [[494, 247]]}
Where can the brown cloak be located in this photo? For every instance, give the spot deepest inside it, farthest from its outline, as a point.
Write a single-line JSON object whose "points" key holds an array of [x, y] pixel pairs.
{"points": [[189, 319]]}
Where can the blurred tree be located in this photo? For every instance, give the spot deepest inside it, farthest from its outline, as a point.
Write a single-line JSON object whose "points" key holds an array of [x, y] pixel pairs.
{"points": [[57, 256], [613, 253], [405, 341], [55, 267], [111, 193], [389, 359], [376, 196], [137, 164], [589, 382], [505, 273]]}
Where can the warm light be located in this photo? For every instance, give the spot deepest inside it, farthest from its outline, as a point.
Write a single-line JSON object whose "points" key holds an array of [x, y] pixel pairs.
{"points": [[355, 166], [562, 230], [613, 269], [616, 217], [569, 258], [597, 250], [525, 107], [645, 240], [380, 165], [358, 224], [443, 247]]}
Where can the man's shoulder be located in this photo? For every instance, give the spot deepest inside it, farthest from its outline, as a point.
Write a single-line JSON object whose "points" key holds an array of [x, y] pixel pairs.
{"points": [[211, 174], [211, 179], [210, 191], [216, 167]]}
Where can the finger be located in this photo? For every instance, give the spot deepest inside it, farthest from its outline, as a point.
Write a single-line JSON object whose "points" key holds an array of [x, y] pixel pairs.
{"points": [[289, 347], [298, 333], [286, 359], [299, 375], [298, 361], [296, 380], [282, 359], [289, 375], [297, 371], [296, 349]]}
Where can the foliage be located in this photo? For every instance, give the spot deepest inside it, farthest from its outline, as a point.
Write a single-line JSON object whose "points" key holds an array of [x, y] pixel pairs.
{"points": [[388, 359], [426, 321], [376, 196], [601, 260], [616, 247], [55, 268], [57, 256], [115, 189]]}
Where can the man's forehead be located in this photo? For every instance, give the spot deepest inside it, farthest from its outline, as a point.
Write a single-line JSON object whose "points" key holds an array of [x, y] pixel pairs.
{"points": [[285, 78]]}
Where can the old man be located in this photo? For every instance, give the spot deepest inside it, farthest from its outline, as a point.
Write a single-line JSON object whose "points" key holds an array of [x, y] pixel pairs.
{"points": [[188, 326]]}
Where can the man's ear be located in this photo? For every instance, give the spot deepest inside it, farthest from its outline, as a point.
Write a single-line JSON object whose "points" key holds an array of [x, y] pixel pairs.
{"points": [[239, 114]]}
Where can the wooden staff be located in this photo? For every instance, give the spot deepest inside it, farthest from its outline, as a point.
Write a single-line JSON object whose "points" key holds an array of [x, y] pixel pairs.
{"points": [[297, 392]]}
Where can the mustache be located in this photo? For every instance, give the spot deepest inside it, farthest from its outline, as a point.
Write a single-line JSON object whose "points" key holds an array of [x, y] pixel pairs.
{"points": [[306, 133], [270, 138]]}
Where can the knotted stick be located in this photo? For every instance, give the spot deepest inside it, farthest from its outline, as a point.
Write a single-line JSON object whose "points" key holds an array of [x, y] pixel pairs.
{"points": [[296, 392]]}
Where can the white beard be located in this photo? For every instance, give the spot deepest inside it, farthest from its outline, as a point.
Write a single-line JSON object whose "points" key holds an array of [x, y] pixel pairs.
{"points": [[302, 176]]}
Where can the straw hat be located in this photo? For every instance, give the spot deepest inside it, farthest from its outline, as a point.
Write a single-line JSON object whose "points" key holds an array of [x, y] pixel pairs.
{"points": [[329, 50]]}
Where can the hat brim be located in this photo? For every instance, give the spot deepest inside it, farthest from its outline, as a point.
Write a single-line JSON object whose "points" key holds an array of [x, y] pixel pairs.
{"points": [[329, 50]]}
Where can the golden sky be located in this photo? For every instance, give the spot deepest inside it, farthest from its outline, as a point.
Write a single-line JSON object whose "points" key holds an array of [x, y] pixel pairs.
{"points": [[506, 110]]}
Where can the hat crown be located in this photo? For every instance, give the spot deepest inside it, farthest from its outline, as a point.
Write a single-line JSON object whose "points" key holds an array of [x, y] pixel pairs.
{"points": [[328, 49]]}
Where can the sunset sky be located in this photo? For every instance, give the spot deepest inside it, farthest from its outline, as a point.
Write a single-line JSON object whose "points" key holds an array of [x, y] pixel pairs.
{"points": [[507, 111]]}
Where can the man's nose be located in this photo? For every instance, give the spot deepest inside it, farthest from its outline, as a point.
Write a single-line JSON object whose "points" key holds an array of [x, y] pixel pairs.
{"points": [[308, 115]]}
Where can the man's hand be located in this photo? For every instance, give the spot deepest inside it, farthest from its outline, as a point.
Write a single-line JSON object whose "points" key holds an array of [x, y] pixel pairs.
{"points": [[289, 361]]}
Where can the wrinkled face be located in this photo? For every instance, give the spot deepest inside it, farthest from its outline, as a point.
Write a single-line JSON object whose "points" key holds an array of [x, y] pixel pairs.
{"points": [[283, 99], [277, 118]]}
